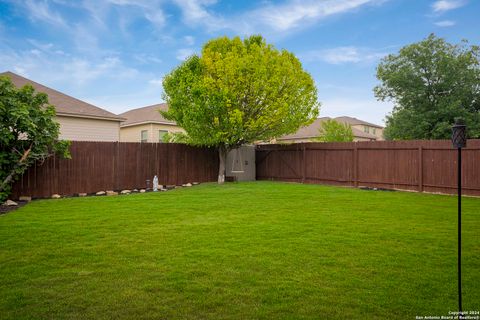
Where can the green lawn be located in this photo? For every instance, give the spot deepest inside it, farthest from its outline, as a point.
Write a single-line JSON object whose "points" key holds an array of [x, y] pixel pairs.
{"points": [[240, 251]]}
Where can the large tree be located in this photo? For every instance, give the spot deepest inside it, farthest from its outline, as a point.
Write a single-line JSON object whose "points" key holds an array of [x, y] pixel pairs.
{"points": [[28, 132], [333, 131], [237, 92], [431, 83]]}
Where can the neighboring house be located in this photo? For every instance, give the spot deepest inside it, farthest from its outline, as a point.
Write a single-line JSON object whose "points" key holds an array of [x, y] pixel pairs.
{"points": [[79, 120], [362, 131], [146, 124], [363, 126]]}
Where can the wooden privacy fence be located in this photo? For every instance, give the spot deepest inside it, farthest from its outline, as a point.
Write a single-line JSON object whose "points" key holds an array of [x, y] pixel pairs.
{"points": [[420, 165], [99, 166]]}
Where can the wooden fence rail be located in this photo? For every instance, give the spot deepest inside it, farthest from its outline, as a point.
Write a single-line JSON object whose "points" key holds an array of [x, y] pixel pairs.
{"points": [[99, 166], [420, 165]]}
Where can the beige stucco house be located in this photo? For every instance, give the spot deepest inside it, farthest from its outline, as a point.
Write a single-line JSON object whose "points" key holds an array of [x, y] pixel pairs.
{"points": [[362, 131], [79, 120], [146, 124]]}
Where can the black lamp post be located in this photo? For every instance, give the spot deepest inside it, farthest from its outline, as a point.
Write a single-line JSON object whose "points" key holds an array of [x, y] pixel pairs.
{"points": [[459, 140]]}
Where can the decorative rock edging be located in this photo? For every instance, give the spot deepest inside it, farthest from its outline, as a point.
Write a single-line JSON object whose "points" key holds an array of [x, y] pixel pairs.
{"points": [[10, 203], [161, 188]]}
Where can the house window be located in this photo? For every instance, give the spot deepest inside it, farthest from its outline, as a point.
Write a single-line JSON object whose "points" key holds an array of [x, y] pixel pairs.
{"points": [[161, 135], [374, 131], [144, 136], [366, 129]]}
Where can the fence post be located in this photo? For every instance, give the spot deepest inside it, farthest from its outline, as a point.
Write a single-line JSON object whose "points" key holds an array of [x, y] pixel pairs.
{"points": [[355, 165], [116, 165], [420, 169], [304, 169]]}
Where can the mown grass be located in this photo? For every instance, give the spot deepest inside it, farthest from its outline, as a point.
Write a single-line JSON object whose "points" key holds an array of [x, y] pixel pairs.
{"points": [[257, 250]]}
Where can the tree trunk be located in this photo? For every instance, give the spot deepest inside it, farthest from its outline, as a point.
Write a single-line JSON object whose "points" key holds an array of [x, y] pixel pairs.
{"points": [[222, 156], [6, 181], [9, 178]]}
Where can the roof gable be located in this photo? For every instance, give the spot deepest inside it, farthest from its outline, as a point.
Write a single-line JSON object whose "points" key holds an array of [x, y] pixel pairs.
{"points": [[148, 114]]}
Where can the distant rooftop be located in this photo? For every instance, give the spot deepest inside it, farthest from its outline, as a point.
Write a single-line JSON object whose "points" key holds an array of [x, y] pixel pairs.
{"points": [[64, 104], [149, 114], [354, 121], [312, 131]]}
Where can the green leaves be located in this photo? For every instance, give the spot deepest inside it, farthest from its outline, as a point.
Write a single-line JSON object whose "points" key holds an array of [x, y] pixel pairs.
{"points": [[240, 91], [28, 132], [431, 82], [334, 131]]}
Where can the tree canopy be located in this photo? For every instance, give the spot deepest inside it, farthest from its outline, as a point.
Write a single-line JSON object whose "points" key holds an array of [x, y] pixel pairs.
{"points": [[334, 131], [237, 92], [431, 83], [28, 132]]}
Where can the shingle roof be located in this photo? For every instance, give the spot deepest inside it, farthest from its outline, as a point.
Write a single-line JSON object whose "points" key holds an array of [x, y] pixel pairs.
{"points": [[149, 114], [312, 131], [353, 121], [64, 104]]}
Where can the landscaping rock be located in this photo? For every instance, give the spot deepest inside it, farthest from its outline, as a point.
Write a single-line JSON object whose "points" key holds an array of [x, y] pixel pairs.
{"points": [[83, 194], [101, 193], [142, 190], [163, 189], [56, 196], [195, 183], [25, 198], [111, 193], [10, 203], [125, 192], [170, 187], [135, 190], [187, 184]]}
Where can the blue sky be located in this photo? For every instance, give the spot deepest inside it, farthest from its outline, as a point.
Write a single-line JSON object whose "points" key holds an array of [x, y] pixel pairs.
{"points": [[114, 53]]}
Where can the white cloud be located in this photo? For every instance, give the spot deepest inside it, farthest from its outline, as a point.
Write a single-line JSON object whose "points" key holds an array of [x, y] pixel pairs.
{"points": [[101, 82], [184, 53], [52, 67], [368, 109], [294, 14], [84, 71], [40, 11], [39, 45], [156, 17], [447, 5], [445, 23], [341, 55], [290, 15], [195, 12], [189, 40], [147, 58], [156, 82]]}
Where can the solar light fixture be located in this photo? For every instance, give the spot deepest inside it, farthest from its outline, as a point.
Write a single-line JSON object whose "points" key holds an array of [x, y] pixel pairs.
{"points": [[459, 134], [459, 140]]}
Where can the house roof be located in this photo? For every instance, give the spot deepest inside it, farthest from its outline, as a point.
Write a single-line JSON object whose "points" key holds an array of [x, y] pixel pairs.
{"points": [[149, 114], [65, 105], [312, 131], [354, 121]]}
